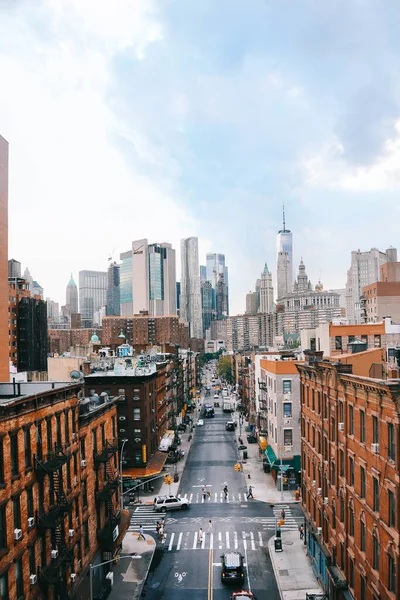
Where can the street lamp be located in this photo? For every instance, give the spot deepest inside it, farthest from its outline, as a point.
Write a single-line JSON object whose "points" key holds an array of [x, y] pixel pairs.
{"points": [[107, 562], [120, 474], [281, 463]]}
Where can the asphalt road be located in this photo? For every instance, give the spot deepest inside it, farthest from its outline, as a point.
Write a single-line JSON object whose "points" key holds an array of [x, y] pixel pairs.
{"points": [[185, 567]]}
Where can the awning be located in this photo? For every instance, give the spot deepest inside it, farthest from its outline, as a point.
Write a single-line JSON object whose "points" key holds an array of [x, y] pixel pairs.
{"points": [[288, 463], [270, 455], [153, 467]]}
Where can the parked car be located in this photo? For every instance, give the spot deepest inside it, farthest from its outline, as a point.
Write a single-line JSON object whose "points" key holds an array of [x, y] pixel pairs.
{"points": [[243, 595], [164, 503], [200, 423], [230, 426], [251, 439], [232, 567]]}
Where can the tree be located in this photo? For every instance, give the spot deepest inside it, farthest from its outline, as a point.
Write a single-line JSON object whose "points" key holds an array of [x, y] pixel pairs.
{"points": [[225, 368]]}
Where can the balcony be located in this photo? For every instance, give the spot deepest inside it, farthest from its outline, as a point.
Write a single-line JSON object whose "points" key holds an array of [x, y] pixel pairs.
{"points": [[107, 535], [54, 572], [108, 490], [106, 454], [51, 462]]}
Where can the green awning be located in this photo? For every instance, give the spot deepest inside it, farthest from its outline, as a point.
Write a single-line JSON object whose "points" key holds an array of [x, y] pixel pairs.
{"points": [[292, 463], [270, 455]]}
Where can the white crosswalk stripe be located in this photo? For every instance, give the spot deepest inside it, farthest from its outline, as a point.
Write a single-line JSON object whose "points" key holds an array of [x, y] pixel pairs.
{"points": [[190, 540], [215, 497], [145, 516]]}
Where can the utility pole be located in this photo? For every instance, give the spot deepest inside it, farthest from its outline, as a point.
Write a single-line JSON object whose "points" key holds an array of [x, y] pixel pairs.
{"points": [[281, 436]]}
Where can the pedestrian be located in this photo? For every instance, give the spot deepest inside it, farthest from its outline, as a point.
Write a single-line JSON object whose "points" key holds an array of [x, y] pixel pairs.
{"points": [[209, 494], [204, 493], [210, 527], [301, 531], [250, 494], [200, 535], [283, 514], [141, 533]]}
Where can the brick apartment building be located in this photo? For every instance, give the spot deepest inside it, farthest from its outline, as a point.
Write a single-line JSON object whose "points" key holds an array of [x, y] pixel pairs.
{"points": [[350, 479], [144, 330], [61, 340], [17, 288], [58, 506]]}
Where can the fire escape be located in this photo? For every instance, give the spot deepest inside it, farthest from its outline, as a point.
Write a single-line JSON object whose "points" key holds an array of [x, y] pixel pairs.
{"points": [[107, 535], [54, 574]]}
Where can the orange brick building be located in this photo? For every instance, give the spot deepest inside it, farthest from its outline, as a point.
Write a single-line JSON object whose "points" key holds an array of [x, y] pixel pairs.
{"points": [[4, 365], [350, 430], [381, 299], [143, 330]]}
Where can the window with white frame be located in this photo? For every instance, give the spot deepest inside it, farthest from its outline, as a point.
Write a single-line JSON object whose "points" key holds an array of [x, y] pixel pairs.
{"points": [[136, 414], [287, 386], [287, 410], [287, 437]]}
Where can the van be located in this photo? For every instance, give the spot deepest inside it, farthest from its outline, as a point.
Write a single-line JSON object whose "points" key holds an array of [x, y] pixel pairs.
{"points": [[232, 567]]}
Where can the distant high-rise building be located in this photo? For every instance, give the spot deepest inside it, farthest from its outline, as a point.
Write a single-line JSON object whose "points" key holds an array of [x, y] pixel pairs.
{"points": [[284, 248], [53, 313], [258, 288], [203, 273], [207, 303], [364, 270], [37, 290], [153, 278], [113, 290], [266, 291], [217, 273], [28, 277], [14, 269], [92, 294], [251, 308], [4, 316], [32, 335], [190, 302], [72, 297], [178, 296], [126, 287]]}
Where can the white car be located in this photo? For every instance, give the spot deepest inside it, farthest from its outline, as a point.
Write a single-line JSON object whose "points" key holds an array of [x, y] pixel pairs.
{"points": [[200, 422], [164, 503]]}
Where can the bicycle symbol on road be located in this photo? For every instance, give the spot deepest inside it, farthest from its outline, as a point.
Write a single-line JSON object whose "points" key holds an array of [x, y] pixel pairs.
{"points": [[180, 576]]}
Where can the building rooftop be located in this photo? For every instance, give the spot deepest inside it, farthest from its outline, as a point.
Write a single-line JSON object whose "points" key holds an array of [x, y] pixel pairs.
{"points": [[17, 390], [128, 366]]}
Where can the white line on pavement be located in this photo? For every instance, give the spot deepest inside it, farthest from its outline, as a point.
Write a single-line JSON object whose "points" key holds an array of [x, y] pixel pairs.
{"points": [[195, 541], [178, 547], [171, 541], [235, 540], [227, 540], [253, 546], [260, 538]]}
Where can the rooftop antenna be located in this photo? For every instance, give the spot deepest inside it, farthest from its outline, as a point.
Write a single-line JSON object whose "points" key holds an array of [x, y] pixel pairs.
{"points": [[284, 227]]}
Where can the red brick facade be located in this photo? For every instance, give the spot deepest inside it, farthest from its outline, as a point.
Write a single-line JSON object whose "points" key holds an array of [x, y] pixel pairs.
{"points": [[350, 479], [145, 331]]}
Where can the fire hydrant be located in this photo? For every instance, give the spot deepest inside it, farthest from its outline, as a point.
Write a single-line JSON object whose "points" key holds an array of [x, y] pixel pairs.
{"points": [[297, 495]]}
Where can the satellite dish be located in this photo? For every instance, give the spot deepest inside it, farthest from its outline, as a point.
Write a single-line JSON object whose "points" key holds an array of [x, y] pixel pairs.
{"points": [[75, 375]]}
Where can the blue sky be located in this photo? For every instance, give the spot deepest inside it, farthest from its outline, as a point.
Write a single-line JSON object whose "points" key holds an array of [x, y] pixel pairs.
{"points": [[169, 118]]}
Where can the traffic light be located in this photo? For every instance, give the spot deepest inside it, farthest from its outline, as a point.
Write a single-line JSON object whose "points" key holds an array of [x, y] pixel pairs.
{"points": [[168, 479], [237, 467]]}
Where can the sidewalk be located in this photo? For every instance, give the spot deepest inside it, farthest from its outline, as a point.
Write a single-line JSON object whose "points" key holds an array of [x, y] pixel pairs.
{"points": [[292, 568], [130, 575], [263, 484]]}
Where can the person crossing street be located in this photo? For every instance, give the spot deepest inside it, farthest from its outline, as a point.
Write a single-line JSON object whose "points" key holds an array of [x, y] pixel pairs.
{"points": [[141, 533], [250, 494]]}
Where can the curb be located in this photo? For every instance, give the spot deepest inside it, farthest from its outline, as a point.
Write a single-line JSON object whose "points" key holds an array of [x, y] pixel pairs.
{"points": [[140, 586], [271, 550]]}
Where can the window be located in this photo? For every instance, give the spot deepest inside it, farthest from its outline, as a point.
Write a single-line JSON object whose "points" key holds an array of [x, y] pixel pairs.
{"points": [[351, 521], [14, 454], [364, 338], [341, 412], [32, 561], [103, 435], [94, 440], [66, 426], [333, 473], [84, 493], [341, 463], [17, 512], [83, 449], [351, 420], [377, 341], [333, 515], [287, 410], [73, 414], [362, 426], [392, 509], [351, 471], [338, 342], [29, 502], [287, 386], [1, 461], [86, 534], [391, 573], [351, 572], [3, 527], [49, 436], [287, 437], [341, 509], [4, 586], [342, 555], [363, 544], [376, 494], [114, 427], [58, 430], [19, 578], [39, 446], [333, 429], [27, 447], [363, 483], [391, 442], [363, 588], [375, 430], [136, 414], [375, 552]]}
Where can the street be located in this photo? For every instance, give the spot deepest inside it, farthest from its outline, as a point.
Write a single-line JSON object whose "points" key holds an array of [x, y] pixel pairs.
{"points": [[185, 565]]}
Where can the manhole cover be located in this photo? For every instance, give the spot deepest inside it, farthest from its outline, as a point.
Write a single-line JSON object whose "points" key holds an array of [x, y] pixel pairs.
{"points": [[288, 543], [284, 573]]}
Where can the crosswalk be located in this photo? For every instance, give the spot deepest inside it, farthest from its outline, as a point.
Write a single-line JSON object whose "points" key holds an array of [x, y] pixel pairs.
{"points": [[216, 497], [291, 523], [146, 517]]}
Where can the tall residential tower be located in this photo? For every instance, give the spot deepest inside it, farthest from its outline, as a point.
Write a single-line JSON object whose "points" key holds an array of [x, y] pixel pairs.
{"points": [[190, 299]]}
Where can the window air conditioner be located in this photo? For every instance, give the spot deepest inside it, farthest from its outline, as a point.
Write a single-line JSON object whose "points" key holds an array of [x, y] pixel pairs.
{"points": [[71, 533], [32, 579], [17, 534], [319, 530], [314, 482], [73, 577], [83, 463], [319, 491], [73, 437], [341, 426], [326, 500], [31, 521], [54, 554], [375, 448]]}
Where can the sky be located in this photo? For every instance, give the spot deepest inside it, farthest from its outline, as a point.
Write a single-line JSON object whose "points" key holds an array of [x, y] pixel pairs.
{"points": [[171, 118]]}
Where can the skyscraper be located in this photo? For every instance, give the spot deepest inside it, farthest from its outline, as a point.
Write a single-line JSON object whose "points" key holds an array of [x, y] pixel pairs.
{"points": [[153, 278], [284, 274], [190, 301], [113, 306], [126, 288], [266, 291], [4, 368], [207, 303], [251, 308], [203, 273], [92, 294], [71, 302], [217, 273]]}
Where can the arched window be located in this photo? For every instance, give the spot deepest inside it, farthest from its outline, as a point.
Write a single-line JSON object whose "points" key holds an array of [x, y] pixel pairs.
{"points": [[334, 514], [341, 508], [375, 550], [351, 518], [363, 532], [391, 567]]}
